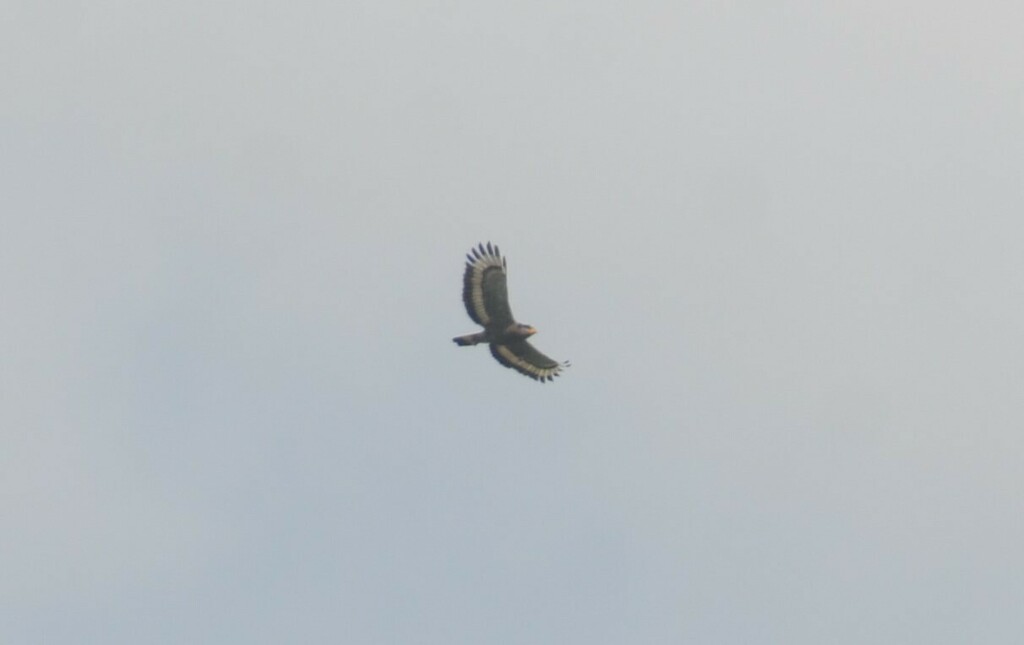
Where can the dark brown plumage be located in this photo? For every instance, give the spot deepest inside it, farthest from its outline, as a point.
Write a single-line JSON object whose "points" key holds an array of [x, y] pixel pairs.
{"points": [[485, 292]]}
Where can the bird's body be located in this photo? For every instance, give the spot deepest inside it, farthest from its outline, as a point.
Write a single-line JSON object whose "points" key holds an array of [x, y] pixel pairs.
{"points": [[513, 332], [485, 293]]}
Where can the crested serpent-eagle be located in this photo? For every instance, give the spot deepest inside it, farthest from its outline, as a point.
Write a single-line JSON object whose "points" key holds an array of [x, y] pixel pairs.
{"points": [[485, 292]]}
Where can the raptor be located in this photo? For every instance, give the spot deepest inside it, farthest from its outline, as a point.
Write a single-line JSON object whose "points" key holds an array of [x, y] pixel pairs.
{"points": [[485, 293]]}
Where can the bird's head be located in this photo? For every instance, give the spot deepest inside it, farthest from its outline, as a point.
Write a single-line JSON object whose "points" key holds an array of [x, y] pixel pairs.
{"points": [[525, 330]]}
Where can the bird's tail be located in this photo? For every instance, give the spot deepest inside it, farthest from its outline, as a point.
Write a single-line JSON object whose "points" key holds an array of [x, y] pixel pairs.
{"points": [[470, 339]]}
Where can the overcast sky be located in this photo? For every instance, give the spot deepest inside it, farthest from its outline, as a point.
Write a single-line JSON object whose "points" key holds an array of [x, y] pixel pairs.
{"points": [[780, 242]]}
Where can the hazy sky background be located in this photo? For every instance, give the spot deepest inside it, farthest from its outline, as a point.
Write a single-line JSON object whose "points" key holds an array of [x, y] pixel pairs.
{"points": [[780, 242]]}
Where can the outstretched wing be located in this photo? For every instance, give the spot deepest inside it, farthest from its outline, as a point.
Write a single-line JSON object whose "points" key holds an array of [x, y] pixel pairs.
{"points": [[525, 359], [484, 287]]}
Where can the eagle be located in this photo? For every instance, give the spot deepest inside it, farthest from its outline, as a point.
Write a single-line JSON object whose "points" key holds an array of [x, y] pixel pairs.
{"points": [[485, 293]]}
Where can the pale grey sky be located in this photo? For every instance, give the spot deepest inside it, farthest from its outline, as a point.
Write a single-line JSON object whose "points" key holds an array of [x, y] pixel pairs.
{"points": [[781, 245]]}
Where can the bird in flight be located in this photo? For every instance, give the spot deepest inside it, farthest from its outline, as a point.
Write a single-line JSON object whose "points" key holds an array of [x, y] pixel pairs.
{"points": [[485, 292]]}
